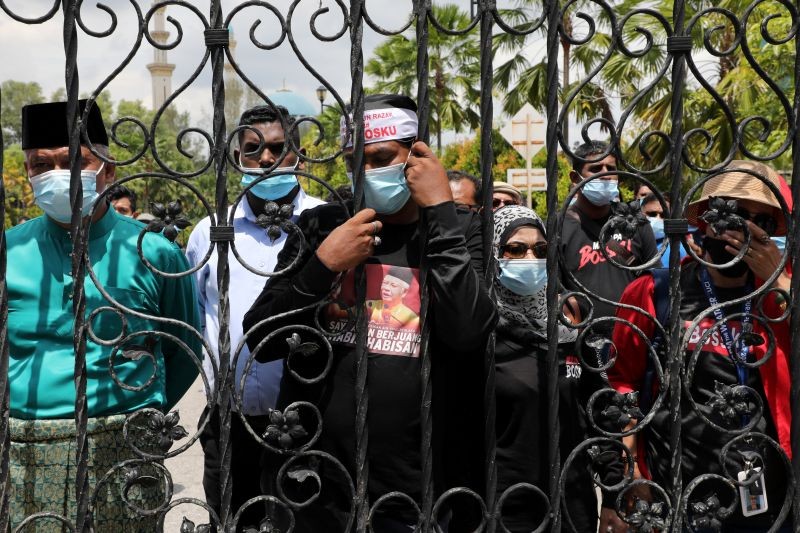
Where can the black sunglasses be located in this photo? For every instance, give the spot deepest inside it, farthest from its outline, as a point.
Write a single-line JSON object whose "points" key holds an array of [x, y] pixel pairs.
{"points": [[518, 250], [762, 220], [498, 202]]}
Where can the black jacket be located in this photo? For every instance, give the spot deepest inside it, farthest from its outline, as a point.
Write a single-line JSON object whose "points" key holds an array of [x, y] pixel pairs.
{"points": [[460, 316]]}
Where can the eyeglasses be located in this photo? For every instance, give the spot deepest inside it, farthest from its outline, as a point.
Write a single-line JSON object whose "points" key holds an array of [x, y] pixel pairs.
{"points": [[500, 202], [518, 250], [763, 220]]}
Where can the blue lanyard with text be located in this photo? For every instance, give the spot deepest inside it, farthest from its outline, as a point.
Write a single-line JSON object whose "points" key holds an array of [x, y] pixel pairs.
{"points": [[719, 315]]}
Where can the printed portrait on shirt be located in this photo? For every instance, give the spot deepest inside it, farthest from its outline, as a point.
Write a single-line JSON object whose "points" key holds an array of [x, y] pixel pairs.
{"points": [[392, 306]]}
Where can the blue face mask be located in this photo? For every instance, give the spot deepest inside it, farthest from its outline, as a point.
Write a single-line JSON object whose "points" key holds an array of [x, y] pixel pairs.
{"points": [[272, 188], [657, 224], [601, 192], [51, 192], [385, 189], [524, 277]]}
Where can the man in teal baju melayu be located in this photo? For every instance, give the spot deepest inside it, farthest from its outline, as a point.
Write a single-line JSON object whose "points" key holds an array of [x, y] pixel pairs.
{"points": [[126, 371]]}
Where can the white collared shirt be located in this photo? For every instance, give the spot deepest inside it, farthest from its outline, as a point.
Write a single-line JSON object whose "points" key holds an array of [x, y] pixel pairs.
{"points": [[258, 251]]}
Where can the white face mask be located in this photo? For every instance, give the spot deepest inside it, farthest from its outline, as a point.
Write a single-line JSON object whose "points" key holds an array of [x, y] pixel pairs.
{"points": [[51, 192]]}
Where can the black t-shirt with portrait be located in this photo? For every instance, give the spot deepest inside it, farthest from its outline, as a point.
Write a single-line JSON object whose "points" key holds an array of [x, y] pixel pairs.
{"points": [[702, 444], [582, 258]]}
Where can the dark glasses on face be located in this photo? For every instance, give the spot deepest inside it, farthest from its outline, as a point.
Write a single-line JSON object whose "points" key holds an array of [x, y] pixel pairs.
{"points": [[499, 202], [762, 220], [518, 250]]}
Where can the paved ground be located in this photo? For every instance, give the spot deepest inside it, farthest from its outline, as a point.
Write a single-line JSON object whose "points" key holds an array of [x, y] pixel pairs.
{"points": [[187, 467]]}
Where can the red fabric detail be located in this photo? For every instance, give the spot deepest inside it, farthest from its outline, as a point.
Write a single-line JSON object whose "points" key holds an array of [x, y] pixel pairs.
{"points": [[628, 371]]}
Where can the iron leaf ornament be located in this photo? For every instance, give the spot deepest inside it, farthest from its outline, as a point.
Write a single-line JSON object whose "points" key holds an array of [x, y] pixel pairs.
{"points": [[163, 430], [266, 526], [169, 220], [187, 526], [730, 403], [721, 215], [284, 428], [275, 219], [647, 516], [622, 408], [296, 345], [626, 218], [708, 514]]}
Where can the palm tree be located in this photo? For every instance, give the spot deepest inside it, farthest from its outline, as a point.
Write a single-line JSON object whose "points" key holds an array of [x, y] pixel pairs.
{"points": [[524, 79], [645, 94], [453, 77]]}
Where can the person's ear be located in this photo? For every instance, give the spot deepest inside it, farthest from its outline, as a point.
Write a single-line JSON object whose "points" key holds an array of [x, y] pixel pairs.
{"points": [[109, 174], [575, 177], [236, 156], [301, 165]]}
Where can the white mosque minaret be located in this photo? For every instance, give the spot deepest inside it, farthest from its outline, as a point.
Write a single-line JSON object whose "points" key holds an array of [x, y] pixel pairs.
{"points": [[160, 69]]}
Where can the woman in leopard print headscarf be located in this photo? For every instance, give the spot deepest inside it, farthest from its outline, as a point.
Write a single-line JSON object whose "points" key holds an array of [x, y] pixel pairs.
{"points": [[521, 348]]}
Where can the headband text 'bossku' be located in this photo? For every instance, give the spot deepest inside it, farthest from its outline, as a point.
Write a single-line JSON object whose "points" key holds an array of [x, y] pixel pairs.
{"points": [[389, 124]]}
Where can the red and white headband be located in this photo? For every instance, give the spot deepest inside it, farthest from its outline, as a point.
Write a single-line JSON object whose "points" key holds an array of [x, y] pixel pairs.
{"points": [[388, 124]]}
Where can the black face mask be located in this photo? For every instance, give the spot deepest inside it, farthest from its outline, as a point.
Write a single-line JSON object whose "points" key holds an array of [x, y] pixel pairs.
{"points": [[720, 256]]}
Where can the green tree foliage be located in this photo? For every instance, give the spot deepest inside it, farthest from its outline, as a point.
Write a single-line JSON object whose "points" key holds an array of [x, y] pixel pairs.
{"points": [[453, 76], [324, 146], [19, 195], [465, 156], [640, 80], [15, 95]]}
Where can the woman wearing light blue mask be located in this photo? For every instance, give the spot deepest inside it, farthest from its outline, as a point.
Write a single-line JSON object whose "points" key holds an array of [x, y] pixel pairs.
{"points": [[520, 354]]}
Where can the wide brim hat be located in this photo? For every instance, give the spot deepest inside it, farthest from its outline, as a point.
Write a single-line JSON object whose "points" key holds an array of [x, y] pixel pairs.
{"points": [[738, 181]]}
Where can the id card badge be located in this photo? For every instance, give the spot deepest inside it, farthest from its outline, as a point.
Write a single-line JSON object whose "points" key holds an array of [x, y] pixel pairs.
{"points": [[753, 496]]}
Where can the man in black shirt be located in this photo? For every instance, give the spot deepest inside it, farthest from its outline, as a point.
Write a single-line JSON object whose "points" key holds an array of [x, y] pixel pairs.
{"points": [[582, 262], [410, 229]]}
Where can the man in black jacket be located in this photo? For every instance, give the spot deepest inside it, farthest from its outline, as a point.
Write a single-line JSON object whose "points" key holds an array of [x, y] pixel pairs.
{"points": [[410, 226]]}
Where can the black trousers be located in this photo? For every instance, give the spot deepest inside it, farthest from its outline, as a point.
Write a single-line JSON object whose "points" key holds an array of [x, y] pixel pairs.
{"points": [[245, 474]]}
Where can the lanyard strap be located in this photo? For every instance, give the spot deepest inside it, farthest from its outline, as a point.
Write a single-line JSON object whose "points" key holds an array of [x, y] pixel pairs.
{"points": [[727, 339]]}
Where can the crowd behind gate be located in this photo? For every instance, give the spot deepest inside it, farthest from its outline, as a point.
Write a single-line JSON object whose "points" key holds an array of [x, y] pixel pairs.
{"points": [[312, 281]]}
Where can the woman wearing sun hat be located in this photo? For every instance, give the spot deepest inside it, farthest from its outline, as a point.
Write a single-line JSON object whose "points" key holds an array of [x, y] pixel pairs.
{"points": [[723, 391]]}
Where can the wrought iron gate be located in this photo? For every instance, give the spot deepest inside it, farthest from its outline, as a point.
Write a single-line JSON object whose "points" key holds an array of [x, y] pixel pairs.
{"points": [[682, 38]]}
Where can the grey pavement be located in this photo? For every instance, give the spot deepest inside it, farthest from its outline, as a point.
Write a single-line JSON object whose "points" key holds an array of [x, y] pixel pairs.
{"points": [[186, 468]]}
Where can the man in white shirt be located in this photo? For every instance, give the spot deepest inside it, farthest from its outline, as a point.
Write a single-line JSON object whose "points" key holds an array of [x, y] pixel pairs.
{"points": [[258, 247]]}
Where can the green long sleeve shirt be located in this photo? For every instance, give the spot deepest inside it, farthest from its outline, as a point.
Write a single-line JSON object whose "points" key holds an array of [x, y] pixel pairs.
{"points": [[41, 320]]}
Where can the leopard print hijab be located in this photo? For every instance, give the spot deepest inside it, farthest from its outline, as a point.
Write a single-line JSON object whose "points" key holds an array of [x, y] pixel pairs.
{"points": [[521, 316]]}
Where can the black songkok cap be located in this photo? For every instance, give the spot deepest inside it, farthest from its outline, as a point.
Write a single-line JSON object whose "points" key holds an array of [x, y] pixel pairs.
{"points": [[45, 125], [401, 273], [381, 101]]}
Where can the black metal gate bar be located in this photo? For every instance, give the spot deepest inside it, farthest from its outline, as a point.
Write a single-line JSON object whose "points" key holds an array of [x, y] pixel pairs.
{"points": [[78, 236], [794, 303], [554, 16], [361, 503], [486, 10], [675, 328], [422, 10], [5, 434], [225, 377]]}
